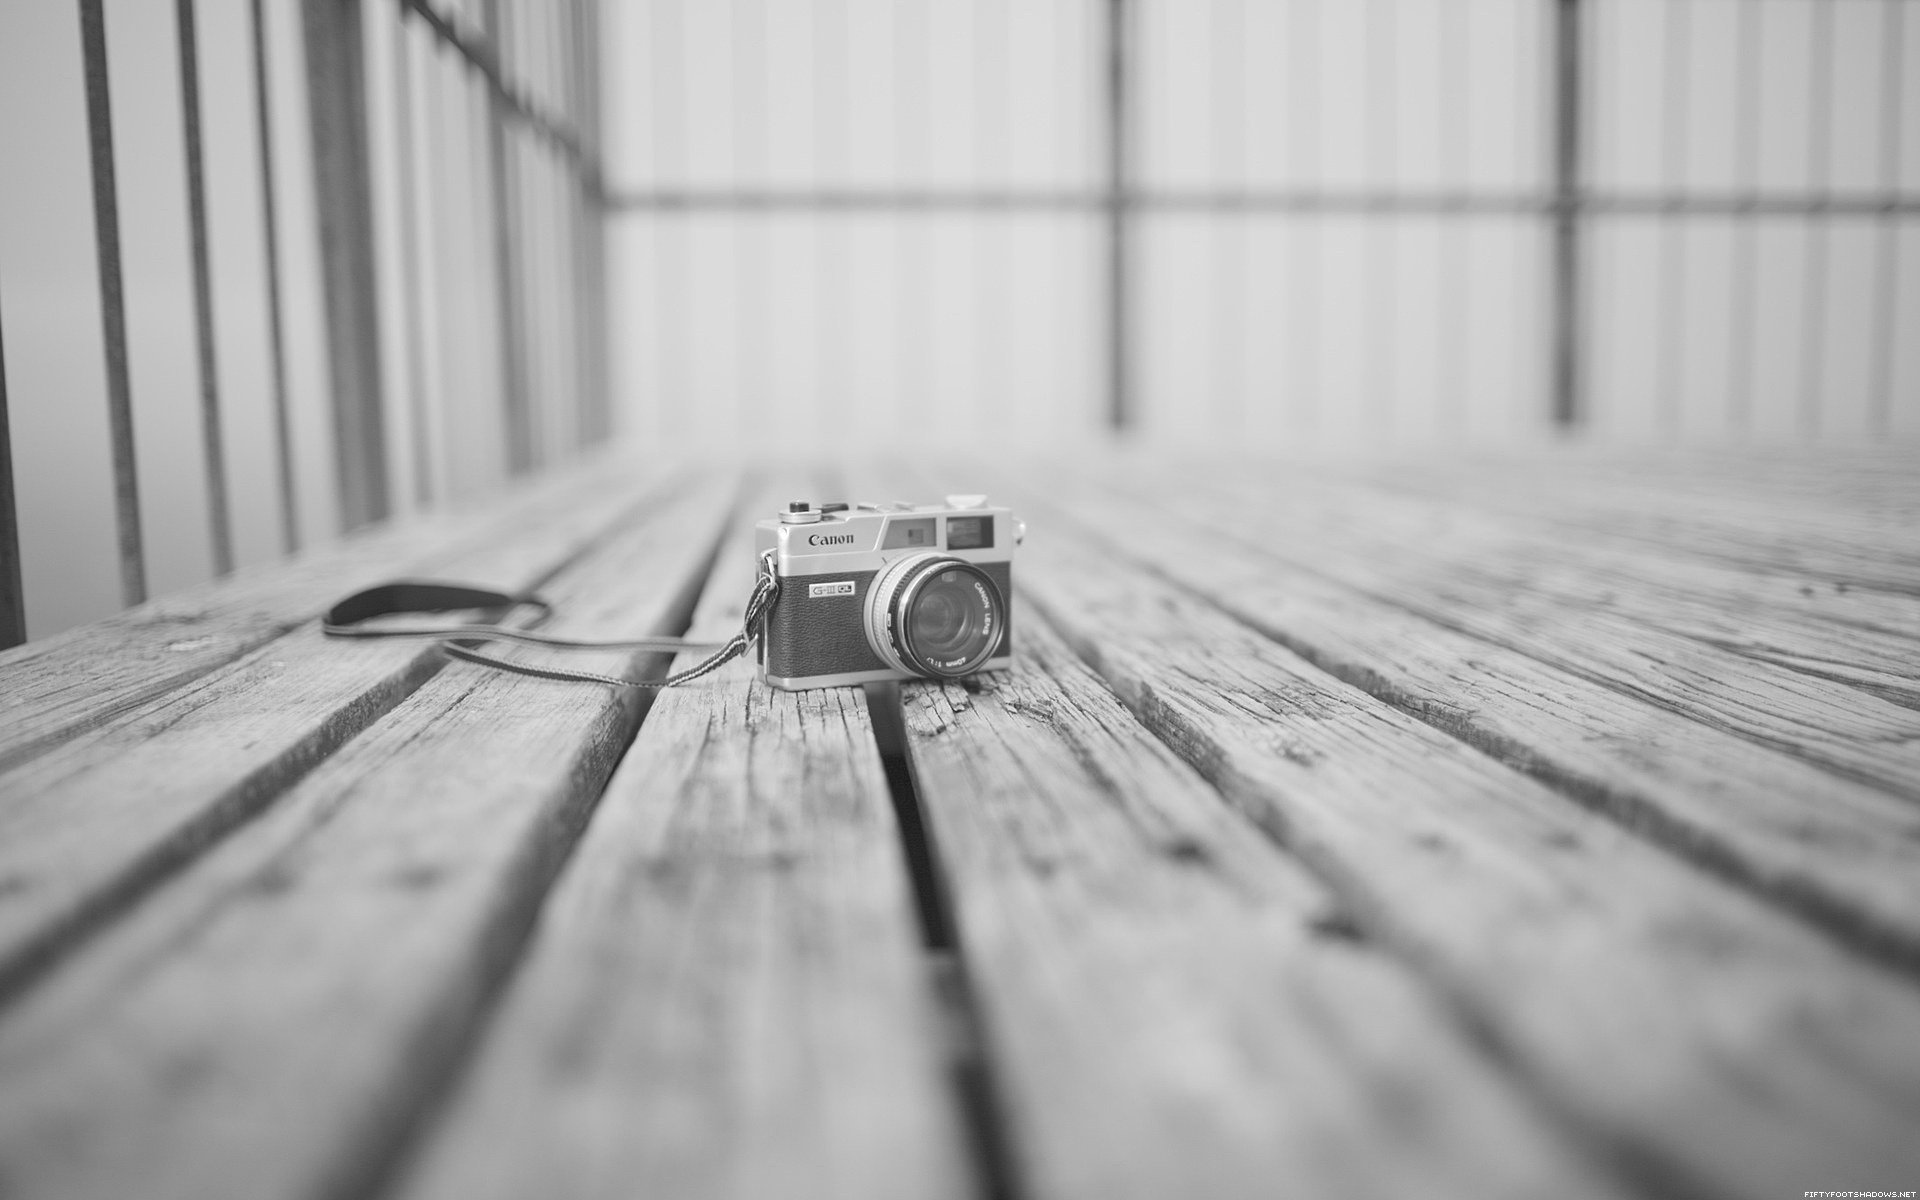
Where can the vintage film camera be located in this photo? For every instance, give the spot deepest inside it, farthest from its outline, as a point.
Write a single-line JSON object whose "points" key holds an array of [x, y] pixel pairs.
{"points": [[888, 591]]}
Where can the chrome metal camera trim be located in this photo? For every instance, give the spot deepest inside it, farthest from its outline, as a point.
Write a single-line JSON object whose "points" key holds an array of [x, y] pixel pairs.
{"points": [[858, 544], [884, 617], [848, 562], [904, 638], [878, 616], [999, 662]]}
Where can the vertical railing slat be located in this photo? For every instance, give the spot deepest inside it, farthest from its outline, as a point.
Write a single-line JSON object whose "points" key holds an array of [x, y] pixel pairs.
{"points": [[1305, 287], [1381, 151], [1228, 239], [1676, 119], [1566, 316], [1119, 201], [592, 423], [219, 518], [336, 102], [276, 322], [1893, 44], [595, 201], [412, 292], [1813, 328], [13, 600], [113, 317], [1744, 303], [503, 183], [1452, 301]]}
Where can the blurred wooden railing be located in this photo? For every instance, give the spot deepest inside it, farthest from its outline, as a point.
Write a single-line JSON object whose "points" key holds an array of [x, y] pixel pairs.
{"points": [[440, 202]]}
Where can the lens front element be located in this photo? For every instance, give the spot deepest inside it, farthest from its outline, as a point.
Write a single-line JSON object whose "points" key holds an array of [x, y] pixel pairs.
{"points": [[950, 621], [932, 614]]}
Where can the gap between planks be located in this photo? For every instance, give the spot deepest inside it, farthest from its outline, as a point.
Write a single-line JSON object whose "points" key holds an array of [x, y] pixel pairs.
{"points": [[1860, 547], [1598, 629], [726, 994], [56, 688], [1639, 999], [281, 1017], [1868, 639], [1172, 1006], [1845, 855], [90, 825]]}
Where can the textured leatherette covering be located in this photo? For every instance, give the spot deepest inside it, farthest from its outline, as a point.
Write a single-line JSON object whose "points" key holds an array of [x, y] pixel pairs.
{"points": [[826, 635], [808, 635]]}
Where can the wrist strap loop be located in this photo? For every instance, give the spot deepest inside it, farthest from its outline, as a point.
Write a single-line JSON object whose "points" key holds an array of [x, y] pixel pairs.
{"points": [[461, 641]]}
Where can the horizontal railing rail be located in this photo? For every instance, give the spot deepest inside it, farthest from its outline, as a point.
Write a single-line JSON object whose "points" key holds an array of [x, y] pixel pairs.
{"points": [[1305, 200]]}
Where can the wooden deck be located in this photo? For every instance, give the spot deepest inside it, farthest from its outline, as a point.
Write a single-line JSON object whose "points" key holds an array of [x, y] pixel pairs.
{"points": [[1544, 827]]}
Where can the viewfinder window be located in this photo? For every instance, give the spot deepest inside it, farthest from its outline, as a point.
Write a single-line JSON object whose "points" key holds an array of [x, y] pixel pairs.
{"points": [[969, 533]]}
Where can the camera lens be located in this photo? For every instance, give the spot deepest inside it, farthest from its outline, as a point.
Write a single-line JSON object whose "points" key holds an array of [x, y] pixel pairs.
{"points": [[935, 615], [951, 618]]}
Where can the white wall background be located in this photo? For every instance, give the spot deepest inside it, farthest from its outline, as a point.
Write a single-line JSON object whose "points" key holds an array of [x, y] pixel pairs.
{"points": [[1339, 330]]}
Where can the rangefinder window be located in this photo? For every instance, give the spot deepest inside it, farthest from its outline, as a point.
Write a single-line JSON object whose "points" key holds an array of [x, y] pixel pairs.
{"points": [[969, 533], [914, 534]]}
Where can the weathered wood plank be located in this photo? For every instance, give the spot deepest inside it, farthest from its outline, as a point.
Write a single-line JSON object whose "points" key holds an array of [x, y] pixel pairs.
{"points": [[89, 824], [1841, 547], [1717, 1047], [277, 1021], [1505, 576], [1881, 486], [725, 995], [1868, 638], [1844, 854], [1844, 728], [1173, 1007], [1857, 494], [57, 687]]}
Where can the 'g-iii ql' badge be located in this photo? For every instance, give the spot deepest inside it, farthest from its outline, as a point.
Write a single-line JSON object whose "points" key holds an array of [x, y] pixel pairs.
{"points": [[840, 587]]}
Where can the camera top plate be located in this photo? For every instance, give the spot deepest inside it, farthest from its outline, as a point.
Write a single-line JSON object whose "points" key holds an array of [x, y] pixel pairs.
{"points": [[810, 538]]}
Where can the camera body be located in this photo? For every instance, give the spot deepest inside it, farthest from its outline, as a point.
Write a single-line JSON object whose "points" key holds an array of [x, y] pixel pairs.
{"points": [[872, 592]]}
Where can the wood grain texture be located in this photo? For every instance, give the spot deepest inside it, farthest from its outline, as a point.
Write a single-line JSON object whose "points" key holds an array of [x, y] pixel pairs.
{"points": [[1778, 487], [1867, 638], [1601, 631], [276, 1021], [1716, 1047], [1174, 1007], [1877, 483], [57, 687], [725, 995], [88, 825], [1845, 854], [1846, 545], [1866, 487], [1319, 843]]}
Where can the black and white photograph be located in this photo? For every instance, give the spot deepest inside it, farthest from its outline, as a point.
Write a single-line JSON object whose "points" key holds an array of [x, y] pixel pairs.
{"points": [[959, 599]]}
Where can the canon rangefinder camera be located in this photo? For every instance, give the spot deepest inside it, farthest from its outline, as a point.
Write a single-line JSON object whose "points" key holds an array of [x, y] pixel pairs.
{"points": [[887, 591]]}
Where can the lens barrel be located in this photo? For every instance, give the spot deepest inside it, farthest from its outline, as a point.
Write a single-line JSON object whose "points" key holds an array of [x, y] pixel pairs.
{"points": [[935, 615]]}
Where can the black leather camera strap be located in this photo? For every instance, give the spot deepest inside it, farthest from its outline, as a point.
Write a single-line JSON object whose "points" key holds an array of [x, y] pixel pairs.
{"points": [[401, 597]]}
